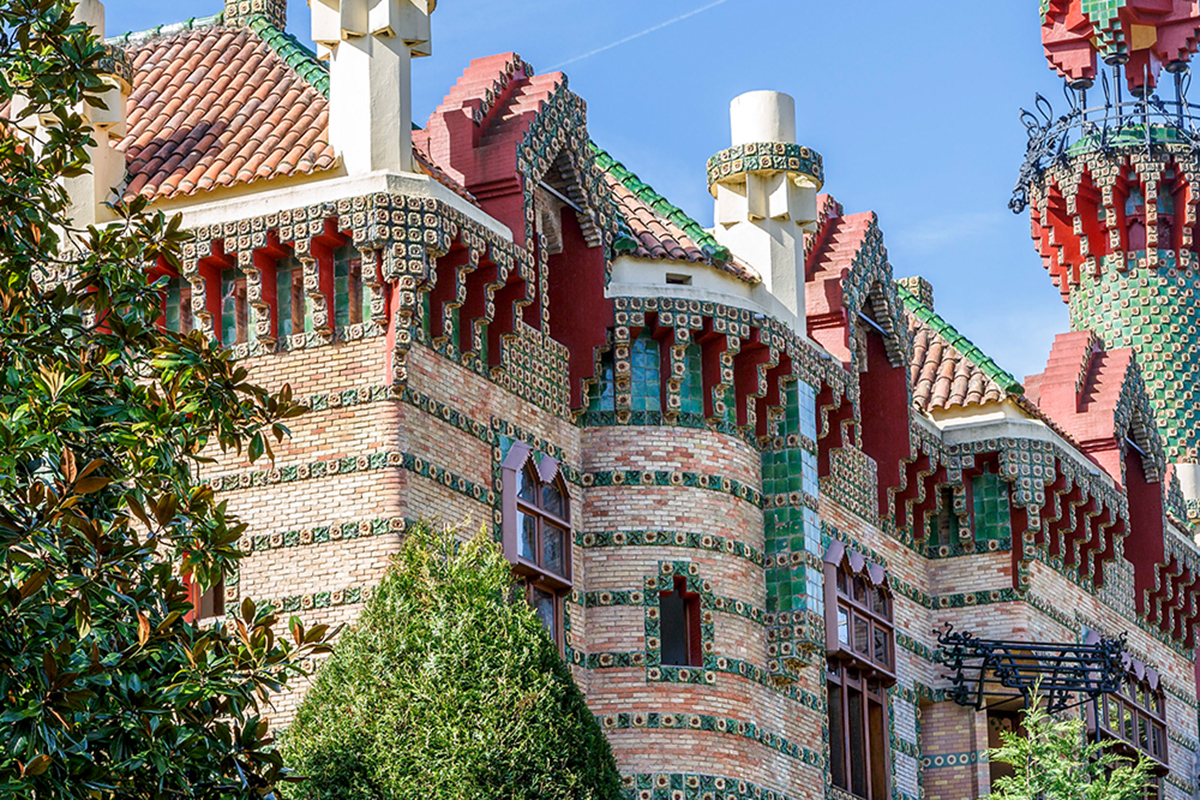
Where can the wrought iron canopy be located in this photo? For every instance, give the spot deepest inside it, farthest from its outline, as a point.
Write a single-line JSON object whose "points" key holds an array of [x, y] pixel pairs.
{"points": [[1008, 670]]}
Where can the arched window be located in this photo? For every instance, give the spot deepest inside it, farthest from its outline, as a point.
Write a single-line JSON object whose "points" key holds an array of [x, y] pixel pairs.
{"points": [[861, 647], [536, 530]]}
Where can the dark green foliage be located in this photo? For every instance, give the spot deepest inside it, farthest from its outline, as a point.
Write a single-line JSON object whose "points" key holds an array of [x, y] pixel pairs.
{"points": [[1054, 761], [106, 691], [448, 687]]}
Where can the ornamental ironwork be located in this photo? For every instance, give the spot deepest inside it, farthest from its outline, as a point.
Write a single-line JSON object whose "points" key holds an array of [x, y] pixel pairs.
{"points": [[1121, 121], [1003, 670]]}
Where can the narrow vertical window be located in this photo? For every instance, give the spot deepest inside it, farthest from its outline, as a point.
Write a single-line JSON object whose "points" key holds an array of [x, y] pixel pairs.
{"points": [[602, 393], [679, 626], [1133, 720], [234, 310], [646, 381], [536, 531], [178, 305], [691, 387], [860, 641], [289, 298], [206, 603], [347, 287]]}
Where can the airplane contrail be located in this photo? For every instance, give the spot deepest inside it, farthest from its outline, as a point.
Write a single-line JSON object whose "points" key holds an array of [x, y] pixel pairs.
{"points": [[638, 35]]}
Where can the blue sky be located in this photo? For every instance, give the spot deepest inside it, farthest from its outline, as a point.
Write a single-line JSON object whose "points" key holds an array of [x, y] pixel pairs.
{"points": [[913, 105]]}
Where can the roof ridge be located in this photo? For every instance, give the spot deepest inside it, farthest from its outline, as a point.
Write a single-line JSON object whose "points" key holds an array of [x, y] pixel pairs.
{"points": [[191, 23], [660, 205], [966, 348], [294, 54]]}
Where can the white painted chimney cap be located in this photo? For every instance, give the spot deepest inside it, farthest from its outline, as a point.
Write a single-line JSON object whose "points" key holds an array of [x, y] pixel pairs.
{"points": [[763, 116]]}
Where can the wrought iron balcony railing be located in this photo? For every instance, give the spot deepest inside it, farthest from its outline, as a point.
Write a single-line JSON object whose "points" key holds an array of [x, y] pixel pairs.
{"points": [[1119, 123]]}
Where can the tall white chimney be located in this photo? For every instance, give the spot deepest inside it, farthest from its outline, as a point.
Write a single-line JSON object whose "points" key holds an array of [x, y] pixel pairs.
{"points": [[89, 192], [370, 45], [765, 187]]}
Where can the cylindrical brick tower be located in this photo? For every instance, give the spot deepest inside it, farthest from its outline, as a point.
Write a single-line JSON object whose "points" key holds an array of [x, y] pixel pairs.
{"points": [[1112, 188]]}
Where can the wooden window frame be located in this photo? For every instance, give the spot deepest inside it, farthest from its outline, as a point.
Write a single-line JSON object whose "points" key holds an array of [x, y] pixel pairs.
{"points": [[845, 565], [852, 673], [534, 573], [693, 645], [873, 748], [1142, 679]]}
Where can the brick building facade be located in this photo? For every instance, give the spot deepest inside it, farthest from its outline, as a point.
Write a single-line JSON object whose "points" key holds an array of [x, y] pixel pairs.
{"points": [[746, 472]]}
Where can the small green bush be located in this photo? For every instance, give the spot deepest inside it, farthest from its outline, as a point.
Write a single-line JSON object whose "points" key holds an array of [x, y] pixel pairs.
{"points": [[447, 687]]}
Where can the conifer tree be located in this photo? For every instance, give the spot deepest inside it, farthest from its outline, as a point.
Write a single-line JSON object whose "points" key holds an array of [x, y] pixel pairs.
{"points": [[447, 687], [1052, 760]]}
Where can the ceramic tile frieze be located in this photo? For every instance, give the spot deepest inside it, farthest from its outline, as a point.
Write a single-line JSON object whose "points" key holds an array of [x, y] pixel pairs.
{"points": [[652, 720], [689, 786], [694, 541]]}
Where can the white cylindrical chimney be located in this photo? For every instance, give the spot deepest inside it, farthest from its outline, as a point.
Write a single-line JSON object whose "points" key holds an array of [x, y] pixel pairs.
{"points": [[763, 116]]}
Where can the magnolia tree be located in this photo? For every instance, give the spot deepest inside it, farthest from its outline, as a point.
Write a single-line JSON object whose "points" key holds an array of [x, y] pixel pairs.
{"points": [[1052, 760], [106, 689]]}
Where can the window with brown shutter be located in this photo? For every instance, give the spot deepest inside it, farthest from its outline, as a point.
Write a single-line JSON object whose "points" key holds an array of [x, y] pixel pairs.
{"points": [[860, 645], [536, 531]]}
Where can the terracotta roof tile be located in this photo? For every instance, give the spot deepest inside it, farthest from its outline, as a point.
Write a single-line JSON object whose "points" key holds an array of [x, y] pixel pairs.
{"points": [[946, 369], [656, 229], [216, 106]]}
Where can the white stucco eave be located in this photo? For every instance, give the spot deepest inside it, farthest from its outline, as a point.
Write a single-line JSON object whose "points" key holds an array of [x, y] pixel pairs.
{"points": [[261, 199], [647, 277], [1005, 420]]}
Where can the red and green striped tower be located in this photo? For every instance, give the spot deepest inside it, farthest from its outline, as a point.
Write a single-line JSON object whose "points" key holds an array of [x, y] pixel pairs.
{"points": [[1112, 188]]}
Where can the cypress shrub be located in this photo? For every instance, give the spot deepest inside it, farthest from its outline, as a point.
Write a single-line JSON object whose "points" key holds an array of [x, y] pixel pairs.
{"points": [[448, 686]]}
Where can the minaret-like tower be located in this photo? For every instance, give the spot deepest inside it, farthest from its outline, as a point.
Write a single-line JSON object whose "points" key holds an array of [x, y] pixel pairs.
{"points": [[1113, 187]]}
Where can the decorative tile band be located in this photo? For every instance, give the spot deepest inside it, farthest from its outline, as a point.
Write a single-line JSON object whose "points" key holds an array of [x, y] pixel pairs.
{"points": [[637, 597], [1183, 741], [349, 397], [351, 464], [320, 534], [694, 541], [694, 480], [687, 786], [721, 666], [1187, 787], [307, 602], [764, 156], [954, 760], [650, 720], [790, 500], [913, 646], [968, 548]]}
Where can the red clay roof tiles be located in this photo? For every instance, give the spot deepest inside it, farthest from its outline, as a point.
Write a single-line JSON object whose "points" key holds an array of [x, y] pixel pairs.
{"points": [[218, 106], [942, 377]]}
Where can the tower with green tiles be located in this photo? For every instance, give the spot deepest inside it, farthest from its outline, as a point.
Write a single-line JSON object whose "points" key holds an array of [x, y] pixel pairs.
{"points": [[1111, 187]]}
